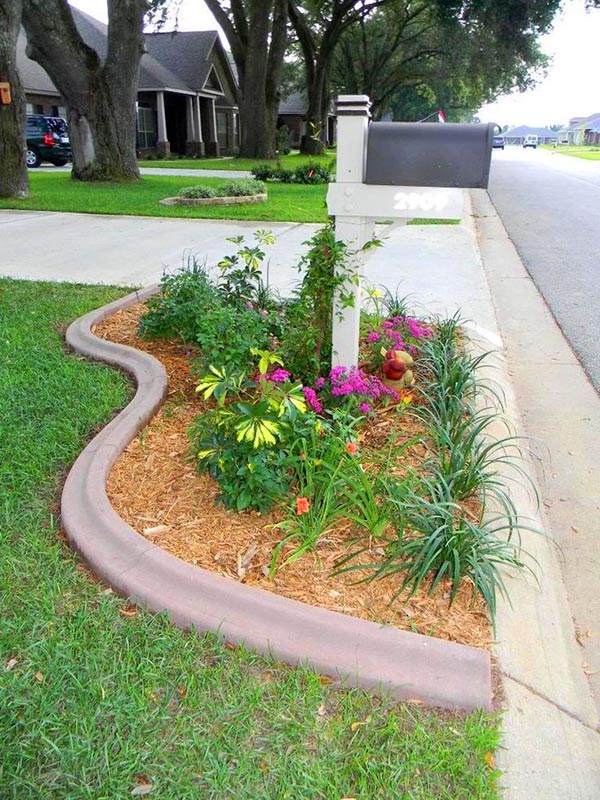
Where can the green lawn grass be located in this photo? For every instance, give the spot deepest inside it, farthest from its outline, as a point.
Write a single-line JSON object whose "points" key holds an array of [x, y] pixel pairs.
{"points": [[57, 192], [291, 161], [94, 703], [587, 152]]}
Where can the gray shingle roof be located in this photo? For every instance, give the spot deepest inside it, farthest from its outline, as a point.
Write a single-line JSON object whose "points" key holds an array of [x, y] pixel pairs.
{"points": [[525, 130], [294, 104], [153, 75], [184, 53]]}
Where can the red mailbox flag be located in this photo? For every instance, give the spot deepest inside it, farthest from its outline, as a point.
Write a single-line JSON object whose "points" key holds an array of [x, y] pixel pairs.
{"points": [[441, 116]]}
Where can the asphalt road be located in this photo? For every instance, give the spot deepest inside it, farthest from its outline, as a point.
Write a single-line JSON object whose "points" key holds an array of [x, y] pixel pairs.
{"points": [[550, 207]]}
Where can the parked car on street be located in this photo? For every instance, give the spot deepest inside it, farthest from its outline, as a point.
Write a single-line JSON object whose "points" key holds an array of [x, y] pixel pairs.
{"points": [[47, 140], [531, 141], [498, 142]]}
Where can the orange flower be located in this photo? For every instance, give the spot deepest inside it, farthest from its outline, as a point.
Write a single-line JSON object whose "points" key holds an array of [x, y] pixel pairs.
{"points": [[302, 505]]}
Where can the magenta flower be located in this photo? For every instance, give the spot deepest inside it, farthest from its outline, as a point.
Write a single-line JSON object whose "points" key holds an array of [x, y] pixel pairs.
{"points": [[373, 337], [311, 398], [278, 375]]}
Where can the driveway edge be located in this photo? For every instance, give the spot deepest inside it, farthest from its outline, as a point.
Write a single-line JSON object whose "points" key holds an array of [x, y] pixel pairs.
{"points": [[355, 652]]}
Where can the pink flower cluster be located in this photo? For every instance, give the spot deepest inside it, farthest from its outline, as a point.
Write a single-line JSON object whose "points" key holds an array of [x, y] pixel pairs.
{"points": [[355, 382], [277, 376], [312, 400]]}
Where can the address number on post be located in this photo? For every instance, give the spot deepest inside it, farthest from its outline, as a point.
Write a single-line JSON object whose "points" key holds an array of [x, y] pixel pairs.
{"points": [[420, 201], [382, 202]]}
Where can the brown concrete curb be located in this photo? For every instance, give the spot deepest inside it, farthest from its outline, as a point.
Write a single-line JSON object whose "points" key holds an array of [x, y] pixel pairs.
{"points": [[354, 651]]}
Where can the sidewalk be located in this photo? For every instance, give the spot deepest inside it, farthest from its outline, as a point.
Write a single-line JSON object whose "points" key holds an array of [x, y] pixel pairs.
{"points": [[550, 727]]}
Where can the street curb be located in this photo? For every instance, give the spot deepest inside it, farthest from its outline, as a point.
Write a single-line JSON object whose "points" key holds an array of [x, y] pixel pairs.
{"points": [[355, 652], [550, 743]]}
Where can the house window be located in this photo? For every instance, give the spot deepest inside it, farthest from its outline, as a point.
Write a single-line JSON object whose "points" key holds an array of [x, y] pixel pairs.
{"points": [[222, 128], [146, 126], [29, 108]]}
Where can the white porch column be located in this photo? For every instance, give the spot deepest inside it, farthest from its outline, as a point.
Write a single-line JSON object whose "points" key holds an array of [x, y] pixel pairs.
{"points": [[197, 119], [213, 121], [162, 120], [189, 119], [353, 122]]}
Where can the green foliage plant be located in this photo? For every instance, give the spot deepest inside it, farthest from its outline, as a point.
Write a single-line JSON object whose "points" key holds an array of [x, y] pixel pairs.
{"points": [[246, 444], [328, 275], [283, 140], [173, 312], [244, 187], [311, 173], [319, 462], [198, 192], [240, 280], [435, 540]]}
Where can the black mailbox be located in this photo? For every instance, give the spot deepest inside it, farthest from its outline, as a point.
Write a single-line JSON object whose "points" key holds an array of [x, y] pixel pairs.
{"points": [[422, 154]]}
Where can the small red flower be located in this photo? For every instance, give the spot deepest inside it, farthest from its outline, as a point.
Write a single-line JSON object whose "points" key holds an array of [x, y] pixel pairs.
{"points": [[302, 505], [351, 448]]}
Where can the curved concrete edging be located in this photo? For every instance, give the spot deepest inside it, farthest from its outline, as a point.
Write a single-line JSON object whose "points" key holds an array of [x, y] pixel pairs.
{"points": [[357, 652]]}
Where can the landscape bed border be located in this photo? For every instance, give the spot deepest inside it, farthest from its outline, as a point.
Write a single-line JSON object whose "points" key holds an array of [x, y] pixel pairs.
{"points": [[351, 651]]}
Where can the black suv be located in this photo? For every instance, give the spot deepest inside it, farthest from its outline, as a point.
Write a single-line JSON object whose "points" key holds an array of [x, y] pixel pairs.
{"points": [[47, 140]]}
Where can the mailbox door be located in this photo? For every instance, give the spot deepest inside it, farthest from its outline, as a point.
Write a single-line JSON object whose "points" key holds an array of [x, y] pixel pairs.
{"points": [[453, 155]]}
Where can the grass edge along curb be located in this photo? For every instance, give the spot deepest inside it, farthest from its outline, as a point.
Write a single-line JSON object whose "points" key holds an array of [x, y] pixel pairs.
{"points": [[354, 651]]}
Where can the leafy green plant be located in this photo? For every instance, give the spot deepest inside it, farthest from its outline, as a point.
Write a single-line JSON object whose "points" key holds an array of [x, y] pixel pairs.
{"points": [[328, 275], [283, 140], [242, 187], [197, 192], [225, 334], [311, 173], [248, 477], [267, 413], [174, 311], [319, 461], [265, 172], [241, 281], [436, 541]]}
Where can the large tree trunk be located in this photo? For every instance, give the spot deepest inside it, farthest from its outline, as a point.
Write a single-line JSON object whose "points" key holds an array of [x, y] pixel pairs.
{"points": [[257, 34], [14, 181], [257, 140], [318, 99], [100, 95]]}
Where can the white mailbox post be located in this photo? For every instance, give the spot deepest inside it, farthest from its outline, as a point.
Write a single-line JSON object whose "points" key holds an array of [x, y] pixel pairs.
{"points": [[356, 204]]}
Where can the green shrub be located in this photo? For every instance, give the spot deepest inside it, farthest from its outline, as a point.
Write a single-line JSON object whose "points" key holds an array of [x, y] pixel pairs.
{"points": [[311, 173], [283, 140], [182, 298], [266, 172], [244, 187], [226, 334], [197, 192]]}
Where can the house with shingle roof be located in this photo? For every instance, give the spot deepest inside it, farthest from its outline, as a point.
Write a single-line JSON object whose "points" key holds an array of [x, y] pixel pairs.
{"points": [[292, 114], [581, 130], [517, 135], [186, 90]]}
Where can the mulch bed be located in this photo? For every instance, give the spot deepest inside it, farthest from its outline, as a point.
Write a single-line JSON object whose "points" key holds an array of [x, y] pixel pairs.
{"points": [[156, 489]]}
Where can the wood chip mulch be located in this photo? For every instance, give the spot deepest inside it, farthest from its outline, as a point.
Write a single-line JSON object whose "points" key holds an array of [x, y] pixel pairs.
{"points": [[157, 490]]}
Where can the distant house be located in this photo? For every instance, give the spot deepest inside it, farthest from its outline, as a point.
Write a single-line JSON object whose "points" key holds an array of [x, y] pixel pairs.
{"points": [[517, 135], [292, 113], [581, 130], [186, 90]]}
